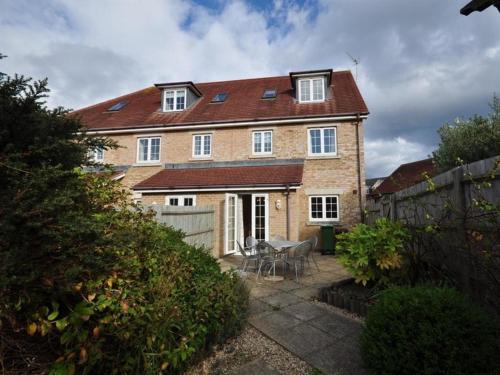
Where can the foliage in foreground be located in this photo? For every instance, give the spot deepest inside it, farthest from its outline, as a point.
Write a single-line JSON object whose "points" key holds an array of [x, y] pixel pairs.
{"points": [[372, 253], [466, 141], [88, 284], [429, 330]]}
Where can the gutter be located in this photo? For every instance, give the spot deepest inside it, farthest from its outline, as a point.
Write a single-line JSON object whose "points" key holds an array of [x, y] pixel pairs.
{"points": [[358, 160], [214, 125]]}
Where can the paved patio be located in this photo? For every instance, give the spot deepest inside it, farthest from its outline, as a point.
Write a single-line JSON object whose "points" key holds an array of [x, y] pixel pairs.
{"points": [[284, 312]]}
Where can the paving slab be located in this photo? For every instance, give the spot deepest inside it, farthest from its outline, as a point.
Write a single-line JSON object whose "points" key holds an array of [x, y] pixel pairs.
{"points": [[337, 325], [302, 339], [259, 291], [287, 285], [271, 323], [256, 367], [305, 311], [337, 360], [257, 307], [282, 299]]}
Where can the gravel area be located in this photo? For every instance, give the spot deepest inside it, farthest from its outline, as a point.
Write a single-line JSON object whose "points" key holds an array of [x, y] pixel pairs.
{"points": [[248, 346]]}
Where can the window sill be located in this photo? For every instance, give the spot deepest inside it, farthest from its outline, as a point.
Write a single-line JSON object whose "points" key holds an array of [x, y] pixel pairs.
{"points": [[263, 156], [155, 164], [201, 159], [320, 223], [316, 157]]}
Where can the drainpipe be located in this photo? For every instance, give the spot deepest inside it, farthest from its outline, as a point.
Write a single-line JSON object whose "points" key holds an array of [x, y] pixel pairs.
{"points": [[360, 198], [287, 195]]}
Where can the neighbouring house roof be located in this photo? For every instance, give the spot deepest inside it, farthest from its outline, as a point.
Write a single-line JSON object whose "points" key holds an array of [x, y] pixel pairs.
{"points": [[479, 6], [406, 175], [243, 103], [373, 183], [224, 177]]}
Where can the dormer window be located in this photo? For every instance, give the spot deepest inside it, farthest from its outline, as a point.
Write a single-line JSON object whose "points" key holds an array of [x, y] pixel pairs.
{"points": [[311, 89], [174, 100]]}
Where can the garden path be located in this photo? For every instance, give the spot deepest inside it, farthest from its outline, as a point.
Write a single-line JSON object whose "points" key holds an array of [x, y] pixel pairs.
{"points": [[286, 312]]}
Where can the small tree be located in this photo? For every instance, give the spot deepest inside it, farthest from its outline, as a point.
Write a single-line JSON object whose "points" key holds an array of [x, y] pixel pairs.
{"points": [[466, 141]]}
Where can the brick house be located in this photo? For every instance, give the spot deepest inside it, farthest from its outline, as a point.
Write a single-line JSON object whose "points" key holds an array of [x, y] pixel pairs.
{"points": [[275, 156]]}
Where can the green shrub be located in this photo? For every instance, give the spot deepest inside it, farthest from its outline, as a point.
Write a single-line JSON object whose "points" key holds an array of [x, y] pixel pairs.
{"points": [[370, 253], [429, 330], [88, 283]]}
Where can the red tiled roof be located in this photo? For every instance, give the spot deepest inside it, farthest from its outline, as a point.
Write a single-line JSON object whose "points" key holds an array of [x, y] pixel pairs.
{"points": [[243, 103], [405, 176], [268, 175]]}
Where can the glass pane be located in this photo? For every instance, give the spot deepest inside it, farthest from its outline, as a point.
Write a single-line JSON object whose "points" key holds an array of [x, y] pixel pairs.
{"points": [[207, 144], [305, 90], [231, 224], [173, 201], [329, 140], [143, 149], [181, 100], [169, 100], [268, 141], [155, 149], [317, 207], [331, 207], [99, 154], [188, 201], [317, 89], [197, 144], [257, 144], [315, 135], [260, 218]]}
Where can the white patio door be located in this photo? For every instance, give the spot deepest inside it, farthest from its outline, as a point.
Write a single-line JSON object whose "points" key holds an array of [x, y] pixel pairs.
{"points": [[260, 216], [231, 224]]}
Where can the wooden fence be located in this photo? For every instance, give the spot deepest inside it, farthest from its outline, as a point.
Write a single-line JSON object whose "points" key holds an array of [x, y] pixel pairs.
{"points": [[196, 222], [456, 224]]}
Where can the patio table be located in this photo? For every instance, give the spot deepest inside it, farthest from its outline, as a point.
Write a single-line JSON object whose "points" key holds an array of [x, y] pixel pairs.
{"points": [[280, 246]]}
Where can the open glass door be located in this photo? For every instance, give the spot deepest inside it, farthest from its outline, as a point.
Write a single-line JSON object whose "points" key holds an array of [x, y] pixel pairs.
{"points": [[231, 229], [260, 216]]}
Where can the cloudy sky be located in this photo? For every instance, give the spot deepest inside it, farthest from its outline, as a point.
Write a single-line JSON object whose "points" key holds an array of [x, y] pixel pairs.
{"points": [[421, 62]]}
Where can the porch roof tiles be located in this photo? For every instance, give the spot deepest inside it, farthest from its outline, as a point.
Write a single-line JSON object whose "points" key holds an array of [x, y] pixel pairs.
{"points": [[237, 176]]}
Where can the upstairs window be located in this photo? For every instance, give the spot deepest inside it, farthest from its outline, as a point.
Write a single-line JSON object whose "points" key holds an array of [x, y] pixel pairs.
{"points": [[202, 145], [322, 141], [263, 142], [311, 90], [116, 107], [269, 94], [219, 98], [148, 150], [174, 100]]}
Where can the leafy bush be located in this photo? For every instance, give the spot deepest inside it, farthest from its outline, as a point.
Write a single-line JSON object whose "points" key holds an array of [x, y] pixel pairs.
{"points": [[470, 140], [370, 253], [429, 330], [88, 283]]}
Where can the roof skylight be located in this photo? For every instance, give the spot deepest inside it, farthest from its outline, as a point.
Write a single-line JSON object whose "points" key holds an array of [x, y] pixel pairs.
{"points": [[269, 94], [219, 98], [117, 106]]}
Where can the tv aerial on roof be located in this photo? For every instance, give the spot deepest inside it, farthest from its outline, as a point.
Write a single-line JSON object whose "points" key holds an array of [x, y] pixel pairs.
{"points": [[356, 62]]}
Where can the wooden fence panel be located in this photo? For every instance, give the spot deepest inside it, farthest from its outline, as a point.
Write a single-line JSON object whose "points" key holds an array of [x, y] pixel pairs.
{"points": [[196, 222]]}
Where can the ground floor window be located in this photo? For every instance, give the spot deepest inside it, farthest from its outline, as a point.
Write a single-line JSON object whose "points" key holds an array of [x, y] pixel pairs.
{"points": [[324, 208], [180, 200]]}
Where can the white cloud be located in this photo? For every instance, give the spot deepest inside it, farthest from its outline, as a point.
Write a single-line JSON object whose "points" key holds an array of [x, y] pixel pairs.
{"points": [[383, 156]]}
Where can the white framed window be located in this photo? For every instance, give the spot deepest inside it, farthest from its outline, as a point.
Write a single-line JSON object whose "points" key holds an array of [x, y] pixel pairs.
{"points": [[97, 155], [202, 145], [148, 150], [311, 90], [324, 208], [322, 141], [174, 100], [181, 200], [262, 142]]}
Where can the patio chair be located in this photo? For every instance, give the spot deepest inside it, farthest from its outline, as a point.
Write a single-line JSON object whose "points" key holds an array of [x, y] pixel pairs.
{"points": [[314, 242], [247, 257], [297, 256], [268, 257], [251, 243]]}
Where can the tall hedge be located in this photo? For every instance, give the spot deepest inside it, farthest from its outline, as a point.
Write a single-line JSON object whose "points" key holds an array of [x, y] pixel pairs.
{"points": [[88, 283]]}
